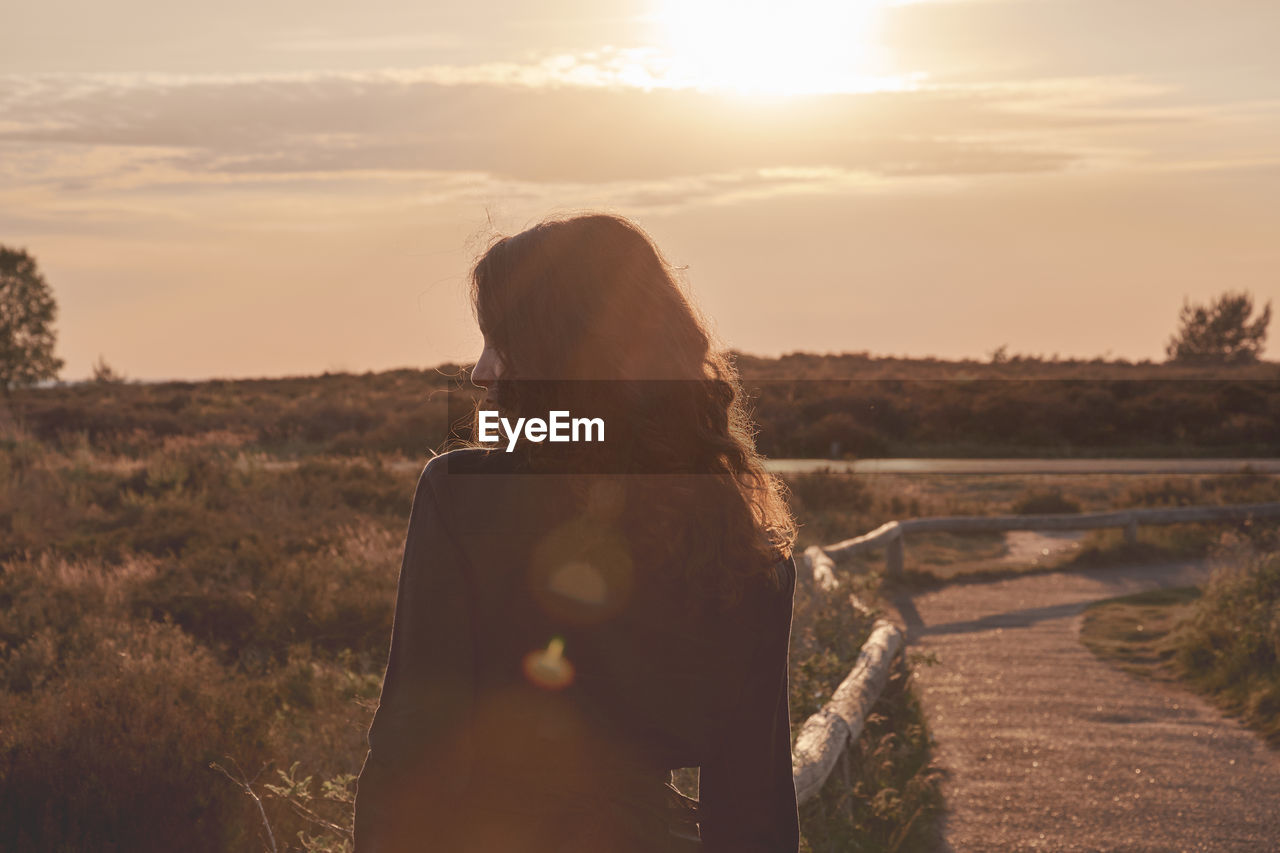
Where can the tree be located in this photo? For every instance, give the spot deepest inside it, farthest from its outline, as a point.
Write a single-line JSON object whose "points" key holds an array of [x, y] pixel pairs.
{"points": [[1220, 332], [27, 311], [105, 374]]}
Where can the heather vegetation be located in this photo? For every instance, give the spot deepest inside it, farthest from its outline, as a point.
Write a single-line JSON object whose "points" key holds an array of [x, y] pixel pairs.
{"points": [[1221, 640], [185, 618], [161, 612], [397, 412], [195, 574], [1230, 647], [864, 406], [806, 406]]}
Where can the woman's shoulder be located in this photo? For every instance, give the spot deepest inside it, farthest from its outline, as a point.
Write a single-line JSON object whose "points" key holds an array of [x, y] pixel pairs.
{"points": [[477, 488], [469, 460], [447, 473]]}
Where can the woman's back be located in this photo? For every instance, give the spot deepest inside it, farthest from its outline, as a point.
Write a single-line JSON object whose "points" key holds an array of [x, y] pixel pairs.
{"points": [[559, 643], [556, 688]]}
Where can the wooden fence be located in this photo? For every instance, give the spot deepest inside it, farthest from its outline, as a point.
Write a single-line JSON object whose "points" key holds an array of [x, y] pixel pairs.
{"points": [[890, 536], [825, 737]]}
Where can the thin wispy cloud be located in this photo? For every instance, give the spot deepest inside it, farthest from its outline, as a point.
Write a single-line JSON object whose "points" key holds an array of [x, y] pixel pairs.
{"points": [[324, 42], [439, 120]]}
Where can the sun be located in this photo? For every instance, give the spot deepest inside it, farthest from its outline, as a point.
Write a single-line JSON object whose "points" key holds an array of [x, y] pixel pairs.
{"points": [[774, 48]]}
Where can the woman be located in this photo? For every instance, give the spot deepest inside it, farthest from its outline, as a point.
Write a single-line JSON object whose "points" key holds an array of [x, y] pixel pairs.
{"points": [[576, 619]]}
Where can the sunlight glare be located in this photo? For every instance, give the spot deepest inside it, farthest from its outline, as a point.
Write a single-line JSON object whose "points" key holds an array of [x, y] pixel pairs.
{"points": [[754, 47], [548, 667]]}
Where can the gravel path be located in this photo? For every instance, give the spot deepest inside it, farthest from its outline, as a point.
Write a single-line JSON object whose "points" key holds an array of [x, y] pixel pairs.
{"points": [[1047, 748]]}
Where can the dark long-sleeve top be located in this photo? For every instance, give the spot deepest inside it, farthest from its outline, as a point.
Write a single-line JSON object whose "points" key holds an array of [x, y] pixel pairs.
{"points": [[541, 684]]}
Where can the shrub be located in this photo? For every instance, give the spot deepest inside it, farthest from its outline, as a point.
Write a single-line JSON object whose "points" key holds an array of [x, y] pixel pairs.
{"points": [[1167, 492], [825, 491], [1231, 648], [1045, 503], [115, 755]]}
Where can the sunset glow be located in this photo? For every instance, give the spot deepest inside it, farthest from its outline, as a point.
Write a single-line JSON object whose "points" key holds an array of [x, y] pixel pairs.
{"points": [[803, 47], [924, 177]]}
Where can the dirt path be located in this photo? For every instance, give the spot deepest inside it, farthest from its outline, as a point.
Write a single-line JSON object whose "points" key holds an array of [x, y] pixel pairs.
{"points": [[1049, 749]]}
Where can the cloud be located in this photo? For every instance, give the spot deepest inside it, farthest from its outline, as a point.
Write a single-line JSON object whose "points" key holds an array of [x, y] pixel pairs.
{"points": [[456, 120], [331, 43], [590, 125], [1223, 50]]}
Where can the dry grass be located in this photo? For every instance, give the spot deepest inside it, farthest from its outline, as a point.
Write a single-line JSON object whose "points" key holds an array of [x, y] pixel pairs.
{"points": [[1223, 641], [1139, 633], [171, 593], [195, 600]]}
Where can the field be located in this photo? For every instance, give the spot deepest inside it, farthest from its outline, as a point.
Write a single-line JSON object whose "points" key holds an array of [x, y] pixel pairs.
{"points": [[181, 613], [805, 405], [204, 573]]}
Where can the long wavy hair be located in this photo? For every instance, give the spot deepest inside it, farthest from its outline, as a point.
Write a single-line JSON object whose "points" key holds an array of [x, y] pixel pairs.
{"points": [[591, 298]]}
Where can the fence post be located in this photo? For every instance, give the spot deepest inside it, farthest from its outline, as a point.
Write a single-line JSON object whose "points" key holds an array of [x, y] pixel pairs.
{"points": [[1131, 530], [822, 568], [846, 776], [894, 554]]}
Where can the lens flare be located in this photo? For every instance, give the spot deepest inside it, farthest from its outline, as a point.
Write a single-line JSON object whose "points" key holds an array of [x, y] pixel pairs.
{"points": [[579, 581], [549, 668], [581, 572]]}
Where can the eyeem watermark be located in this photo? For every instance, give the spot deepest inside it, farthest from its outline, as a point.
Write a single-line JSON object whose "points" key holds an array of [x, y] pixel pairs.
{"points": [[559, 426]]}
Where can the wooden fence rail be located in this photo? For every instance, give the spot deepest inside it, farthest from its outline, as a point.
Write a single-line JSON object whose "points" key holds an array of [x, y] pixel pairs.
{"points": [[826, 735], [890, 536]]}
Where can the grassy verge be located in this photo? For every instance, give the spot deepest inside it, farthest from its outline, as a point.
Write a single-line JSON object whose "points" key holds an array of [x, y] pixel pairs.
{"points": [[1222, 641], [1141, 633], [886, 794]]}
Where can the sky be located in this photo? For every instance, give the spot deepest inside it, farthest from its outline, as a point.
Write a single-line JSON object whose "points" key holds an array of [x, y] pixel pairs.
{"points": [[278, 187]]}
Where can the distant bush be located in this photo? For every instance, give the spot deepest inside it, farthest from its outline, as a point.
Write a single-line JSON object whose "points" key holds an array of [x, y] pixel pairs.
{"points": [[105, 374], [1245, 487], [1219, 332], [1172, 492], [827, 491], [1046, 502], [835, 506], [840, 434]]}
